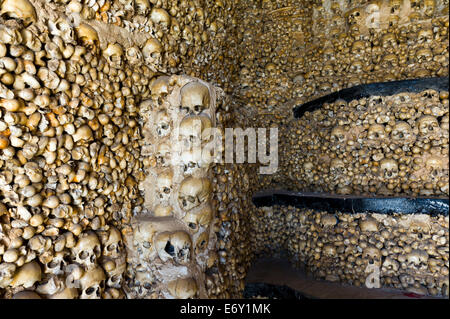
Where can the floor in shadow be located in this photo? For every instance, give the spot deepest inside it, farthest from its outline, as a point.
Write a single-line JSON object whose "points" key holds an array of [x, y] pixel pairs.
{"points": [[275, 278]]}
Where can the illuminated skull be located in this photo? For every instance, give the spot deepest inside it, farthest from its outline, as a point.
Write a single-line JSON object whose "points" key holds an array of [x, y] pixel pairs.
{"points": [[428, 126], [193, 192], [389, 168], [402, 133]]}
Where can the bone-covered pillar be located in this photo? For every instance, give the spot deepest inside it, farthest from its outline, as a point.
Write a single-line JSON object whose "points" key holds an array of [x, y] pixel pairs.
{"points": [[171, 242]]}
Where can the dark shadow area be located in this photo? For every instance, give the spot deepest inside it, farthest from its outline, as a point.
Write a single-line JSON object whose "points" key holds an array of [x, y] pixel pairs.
{"points": [[373, 89], [353, 204], [253, 290], [267, 277]]}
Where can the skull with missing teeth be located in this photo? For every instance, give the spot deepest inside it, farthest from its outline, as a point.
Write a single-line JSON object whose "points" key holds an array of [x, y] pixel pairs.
{"points": [[163, 154], [115, 268], [87, 250], [164, 185], [428, 126], [402, 133], [194, 130], [92, 283], [193, 192], [173, 245], [194, 160], [389, 168], [112, 243], [195, 97], [201, 218], [114, 54], [162, 123]]}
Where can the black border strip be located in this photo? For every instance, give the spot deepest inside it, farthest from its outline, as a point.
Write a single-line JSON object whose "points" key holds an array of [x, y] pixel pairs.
{"points": [[380, 89], [353, 204]]}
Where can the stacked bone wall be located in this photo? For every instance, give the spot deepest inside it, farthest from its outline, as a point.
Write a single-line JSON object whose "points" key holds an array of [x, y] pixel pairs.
{"points": [[172, 243], [386, 145], [406, 252], [73, 75]]}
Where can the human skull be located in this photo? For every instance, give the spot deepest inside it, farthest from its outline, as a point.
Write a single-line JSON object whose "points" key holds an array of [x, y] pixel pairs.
{"points": [[389, 168], [87, 250], [435, 166], [193, 192], [329, 250], [201, 218], [19, 9], [389, 61], [390, 266], [134, 56], [7, 271], [112, 243], [195, 129], [194, 160], [143, 233], [425, 36], [402, 133], [50, 285], [428, 126], [173, 245], [163, 123], [88, 37], [93, 283], [376, 133], [389, 42], [63, 29], [327, 70], [424, 55], [395, 6], [13, 36], [337, 167], [67, 293], [183, 288], [375, 100], [27, 275], [202, 242], [161, 17], [142, 7], [417, 259], [114, 55], [428, 7], [57, 265], [372, 255], [195, 97], [406, 280], [430, 94], [115, 269], [354, 16], [160, 86], [163, 152], [188, 34], [308, 168], [152, 51], [359, 48], [356, 67], [338, 134], [164, 185]]}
